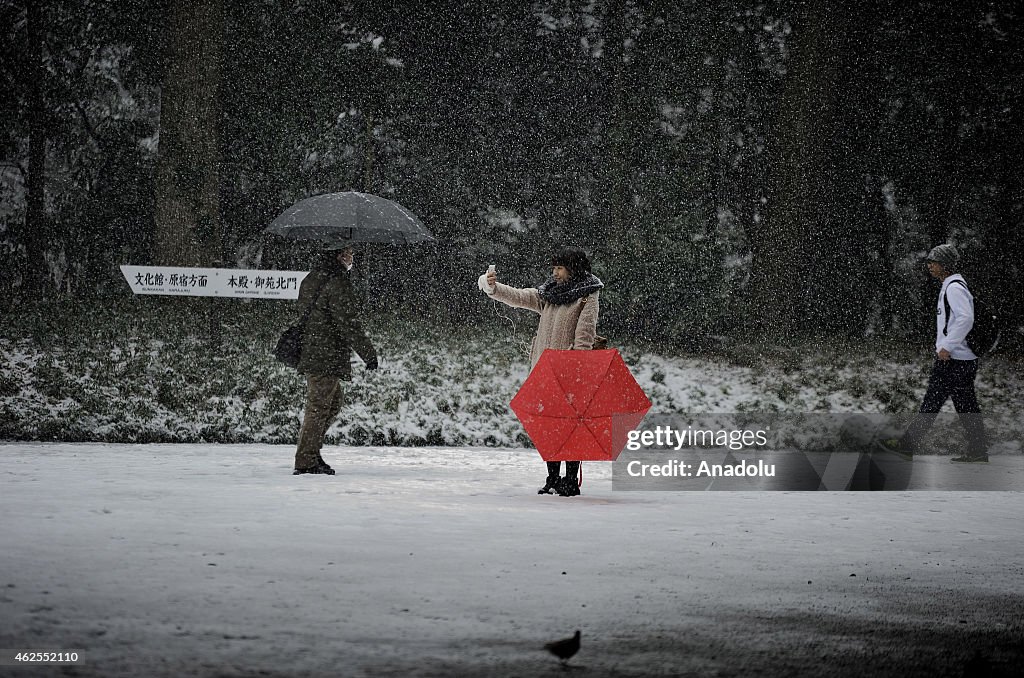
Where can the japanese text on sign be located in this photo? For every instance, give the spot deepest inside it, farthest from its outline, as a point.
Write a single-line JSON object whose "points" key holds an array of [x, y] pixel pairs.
{"points": [[213, 282]]}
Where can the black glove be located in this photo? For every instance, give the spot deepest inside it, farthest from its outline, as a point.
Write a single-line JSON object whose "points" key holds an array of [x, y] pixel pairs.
{"points": [[371, 364]]}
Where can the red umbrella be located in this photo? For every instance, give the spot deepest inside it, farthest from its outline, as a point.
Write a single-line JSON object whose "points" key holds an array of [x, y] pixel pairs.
{"points": [[569, 401]]}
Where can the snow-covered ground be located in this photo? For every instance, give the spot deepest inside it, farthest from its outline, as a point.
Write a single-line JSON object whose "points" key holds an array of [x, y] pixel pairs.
{"points": [[213, 560]]}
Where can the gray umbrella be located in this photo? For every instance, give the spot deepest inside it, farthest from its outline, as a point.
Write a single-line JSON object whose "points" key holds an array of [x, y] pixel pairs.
{"points": [[350, 216]]}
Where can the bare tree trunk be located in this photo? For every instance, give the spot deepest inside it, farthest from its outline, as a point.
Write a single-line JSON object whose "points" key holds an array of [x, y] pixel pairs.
{"points": [[797, 190], [615, 20], [368, 155], [188, 231], [35, 235]]}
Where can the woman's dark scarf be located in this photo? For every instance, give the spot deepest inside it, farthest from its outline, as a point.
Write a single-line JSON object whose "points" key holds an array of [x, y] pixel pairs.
{"points": [[560, 294]]}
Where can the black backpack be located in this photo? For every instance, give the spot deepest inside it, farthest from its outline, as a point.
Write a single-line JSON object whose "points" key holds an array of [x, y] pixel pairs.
{"points": [[984, 335]]}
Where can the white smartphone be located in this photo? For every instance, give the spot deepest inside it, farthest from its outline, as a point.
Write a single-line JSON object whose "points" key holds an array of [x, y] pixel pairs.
{"points": [[490, 269]]}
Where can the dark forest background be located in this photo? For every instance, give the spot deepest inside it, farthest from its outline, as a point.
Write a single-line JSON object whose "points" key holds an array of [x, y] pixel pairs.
{"points": [[734, 168]]}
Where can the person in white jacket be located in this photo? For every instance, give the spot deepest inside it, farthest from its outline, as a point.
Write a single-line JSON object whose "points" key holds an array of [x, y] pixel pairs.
{"points": [[956, 365], [567, 303]]}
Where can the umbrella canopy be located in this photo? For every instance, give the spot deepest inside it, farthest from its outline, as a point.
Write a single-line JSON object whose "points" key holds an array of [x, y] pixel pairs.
{"points": [[350, 216], [571, 399]]}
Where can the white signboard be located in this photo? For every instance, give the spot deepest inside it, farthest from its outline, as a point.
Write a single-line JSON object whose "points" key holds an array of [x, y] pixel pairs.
{"points": [[214, 282]]}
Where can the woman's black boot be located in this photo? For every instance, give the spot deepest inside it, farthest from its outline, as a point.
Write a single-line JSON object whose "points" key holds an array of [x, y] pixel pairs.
{"points": [[569, 486], [551, 483]]}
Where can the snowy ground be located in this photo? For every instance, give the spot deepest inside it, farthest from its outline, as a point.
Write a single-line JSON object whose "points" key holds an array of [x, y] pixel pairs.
{"points": [[212, 560]]}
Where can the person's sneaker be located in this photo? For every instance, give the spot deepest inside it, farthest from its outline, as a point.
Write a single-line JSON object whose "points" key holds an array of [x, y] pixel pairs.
{"points": [[971, 459], [319, 469], [896, 446]]}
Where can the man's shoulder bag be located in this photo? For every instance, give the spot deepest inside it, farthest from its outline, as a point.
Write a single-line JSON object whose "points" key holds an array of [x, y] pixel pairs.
{"points": [[289, 346]]}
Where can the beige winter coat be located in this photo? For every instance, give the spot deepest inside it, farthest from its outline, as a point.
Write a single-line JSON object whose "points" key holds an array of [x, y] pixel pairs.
{"points": [[569, 326]]}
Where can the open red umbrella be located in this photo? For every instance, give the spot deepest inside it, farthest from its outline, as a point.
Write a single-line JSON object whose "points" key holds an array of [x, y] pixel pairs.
{"points": [[571, 398]]}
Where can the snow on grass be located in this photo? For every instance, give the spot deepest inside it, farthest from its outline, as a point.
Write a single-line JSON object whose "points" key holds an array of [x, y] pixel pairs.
{"points": [[136, 376]]}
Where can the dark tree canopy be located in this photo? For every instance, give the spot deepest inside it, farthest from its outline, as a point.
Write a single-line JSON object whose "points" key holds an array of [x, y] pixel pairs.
{"points": [[732, 167]]}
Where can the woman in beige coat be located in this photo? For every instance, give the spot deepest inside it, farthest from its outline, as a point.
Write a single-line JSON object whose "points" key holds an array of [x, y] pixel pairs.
{"points": [[568, 306]]}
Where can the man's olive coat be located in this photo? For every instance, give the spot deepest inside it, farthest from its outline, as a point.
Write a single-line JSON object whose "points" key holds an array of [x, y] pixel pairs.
{"points": [[333, 330]]}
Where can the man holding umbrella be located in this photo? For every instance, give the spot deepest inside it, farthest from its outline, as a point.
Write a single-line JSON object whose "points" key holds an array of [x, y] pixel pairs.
{"points": [[332, 332]]}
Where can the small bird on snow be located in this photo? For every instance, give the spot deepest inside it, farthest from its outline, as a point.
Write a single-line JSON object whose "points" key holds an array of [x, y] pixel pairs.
{"points": [[565, 648]]}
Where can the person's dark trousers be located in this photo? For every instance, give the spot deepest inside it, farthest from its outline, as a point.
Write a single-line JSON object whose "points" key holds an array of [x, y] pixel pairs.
{"points": [[324, 398], [951, 379], [572, 468]]}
